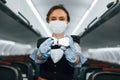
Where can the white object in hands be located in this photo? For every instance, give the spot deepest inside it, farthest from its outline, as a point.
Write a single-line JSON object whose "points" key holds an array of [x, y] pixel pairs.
{"points": [[62, 41], [55, 41]]}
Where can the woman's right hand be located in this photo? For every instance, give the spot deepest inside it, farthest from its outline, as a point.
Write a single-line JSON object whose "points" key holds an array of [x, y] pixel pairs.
{"points": [[45, 48]]}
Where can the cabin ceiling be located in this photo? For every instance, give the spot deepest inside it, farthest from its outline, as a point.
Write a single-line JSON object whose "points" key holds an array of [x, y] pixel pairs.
{"points": [[76, 9]]}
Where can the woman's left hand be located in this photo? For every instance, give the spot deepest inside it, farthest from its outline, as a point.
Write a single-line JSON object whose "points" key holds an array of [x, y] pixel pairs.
{"points": [[70, 52]]}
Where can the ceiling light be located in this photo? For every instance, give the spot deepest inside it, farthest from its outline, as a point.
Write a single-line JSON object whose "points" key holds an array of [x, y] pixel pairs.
{"points": [[75, 32], [36, 13]]}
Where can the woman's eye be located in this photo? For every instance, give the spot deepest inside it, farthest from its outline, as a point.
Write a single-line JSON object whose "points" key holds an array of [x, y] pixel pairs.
{"points": [[61, 19], [53, 19]]}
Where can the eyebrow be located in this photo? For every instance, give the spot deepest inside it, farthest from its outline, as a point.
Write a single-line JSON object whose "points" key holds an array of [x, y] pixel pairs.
{"points": [[52, 17]]}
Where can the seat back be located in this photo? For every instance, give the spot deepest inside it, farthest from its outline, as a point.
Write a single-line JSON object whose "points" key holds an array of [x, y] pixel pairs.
{"points": [[26, 69], [86, 71], [26, 66], [8, 73], [104, 76], [35, 68]]}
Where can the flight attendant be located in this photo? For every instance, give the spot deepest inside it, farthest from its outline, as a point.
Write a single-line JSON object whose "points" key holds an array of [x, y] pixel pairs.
{"points": [[60, 54]]}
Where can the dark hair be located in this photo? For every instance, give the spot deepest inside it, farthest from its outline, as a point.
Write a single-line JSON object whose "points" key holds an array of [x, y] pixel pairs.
{"points": [[60, 6]]}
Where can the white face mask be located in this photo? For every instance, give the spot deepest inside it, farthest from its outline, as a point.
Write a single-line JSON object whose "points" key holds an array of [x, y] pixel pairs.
{"points": [[57, 27]]}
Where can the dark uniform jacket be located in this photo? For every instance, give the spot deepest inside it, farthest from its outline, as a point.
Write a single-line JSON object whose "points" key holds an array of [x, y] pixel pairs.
{"points": [[56, 71]]}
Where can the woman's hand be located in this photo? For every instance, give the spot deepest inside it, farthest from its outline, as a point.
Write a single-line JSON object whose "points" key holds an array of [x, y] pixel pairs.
{"points": [[45, 48]]}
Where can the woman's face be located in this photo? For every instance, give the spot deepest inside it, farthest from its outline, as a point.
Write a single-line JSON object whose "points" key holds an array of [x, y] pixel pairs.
{"points": [[59, 15]]}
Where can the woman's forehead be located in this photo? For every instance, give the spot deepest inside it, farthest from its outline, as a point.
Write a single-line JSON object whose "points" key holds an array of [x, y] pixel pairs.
{"points": [[58, 12]]}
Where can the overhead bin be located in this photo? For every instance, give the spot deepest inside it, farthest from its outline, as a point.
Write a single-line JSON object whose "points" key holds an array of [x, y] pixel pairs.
{"points": [[112, 11], [101, 40], [15, 28], [104, 32]]}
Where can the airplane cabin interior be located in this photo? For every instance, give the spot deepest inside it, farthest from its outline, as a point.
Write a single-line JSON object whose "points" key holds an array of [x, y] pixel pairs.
{"points": [[96, 22]]}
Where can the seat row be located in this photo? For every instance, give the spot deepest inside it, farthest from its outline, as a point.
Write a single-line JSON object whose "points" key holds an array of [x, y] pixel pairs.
{"points": [[18, 68]]}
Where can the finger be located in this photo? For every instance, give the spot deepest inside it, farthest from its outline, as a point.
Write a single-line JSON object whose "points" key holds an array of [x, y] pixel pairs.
{"points": [[63, 48], [50, 42], [49, 39], [70, 39]]}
